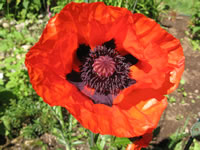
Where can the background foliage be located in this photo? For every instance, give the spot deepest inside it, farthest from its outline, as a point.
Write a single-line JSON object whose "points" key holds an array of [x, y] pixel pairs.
{"points": [[22, 9], [23, 114], [195, 26]]}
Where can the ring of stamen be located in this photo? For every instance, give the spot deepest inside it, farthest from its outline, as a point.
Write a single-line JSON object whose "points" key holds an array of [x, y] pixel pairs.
{"points": [[106, 71]]}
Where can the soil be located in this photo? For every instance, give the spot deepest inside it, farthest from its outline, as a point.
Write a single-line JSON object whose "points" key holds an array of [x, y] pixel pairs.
{"points": [[185, 109]]}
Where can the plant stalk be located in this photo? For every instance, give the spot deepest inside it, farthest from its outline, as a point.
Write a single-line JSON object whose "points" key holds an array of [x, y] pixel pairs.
{"points": [[91, 139], [134, 6]]}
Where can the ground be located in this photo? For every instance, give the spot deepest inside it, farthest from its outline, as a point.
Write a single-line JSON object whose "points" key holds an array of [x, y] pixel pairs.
{"points": [[185, 101]]}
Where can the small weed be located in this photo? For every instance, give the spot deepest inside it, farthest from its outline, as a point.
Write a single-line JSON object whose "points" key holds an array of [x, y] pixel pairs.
{"points": [[171, 99], [182, 82], [182, 101], [193, 101], [179, 117], [177, 139], [182, 90], [184, 94]]}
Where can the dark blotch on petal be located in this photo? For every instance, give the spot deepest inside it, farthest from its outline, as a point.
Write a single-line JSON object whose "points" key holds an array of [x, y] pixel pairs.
{"points": [[110, 44], [73, 77], [131, 59], [82, 52], [102, 99], [131, 82]]}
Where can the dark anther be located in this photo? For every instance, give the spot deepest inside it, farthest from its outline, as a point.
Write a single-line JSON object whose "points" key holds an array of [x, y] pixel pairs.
{"points": [[110, 44], [82, 52]]}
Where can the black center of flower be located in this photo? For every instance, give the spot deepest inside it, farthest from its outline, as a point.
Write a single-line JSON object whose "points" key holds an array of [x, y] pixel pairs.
{"points": [[105, 71]]}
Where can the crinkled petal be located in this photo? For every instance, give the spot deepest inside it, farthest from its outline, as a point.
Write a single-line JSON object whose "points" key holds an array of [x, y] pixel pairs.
{"points": [[157, 71], [49, 60], [119, 120], [160, 55]]}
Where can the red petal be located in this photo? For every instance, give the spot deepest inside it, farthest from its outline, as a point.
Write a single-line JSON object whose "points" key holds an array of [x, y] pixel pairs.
{"points": [[102, 119], [51, 59], [142, 143], [160, 55], [156, 61], [158, 71]]}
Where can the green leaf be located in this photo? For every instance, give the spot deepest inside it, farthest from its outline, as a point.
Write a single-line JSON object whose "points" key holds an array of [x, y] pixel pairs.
{"points": [[4, 46], [195, 29], [6, 122], [121, 142], [196, 145], [182, 81], [1, 6], [179, 146], [17, 2], [25, 4]]}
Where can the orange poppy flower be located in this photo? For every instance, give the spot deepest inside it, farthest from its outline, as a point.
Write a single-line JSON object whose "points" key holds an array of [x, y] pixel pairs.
{"points": [[108, 67]]}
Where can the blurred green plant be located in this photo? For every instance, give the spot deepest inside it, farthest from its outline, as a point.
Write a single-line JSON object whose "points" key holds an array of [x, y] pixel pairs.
{"points": [[150, 8], [23, 9], [20, 109], [22, 112], [18, 99], [194, 27], [181, 6]]}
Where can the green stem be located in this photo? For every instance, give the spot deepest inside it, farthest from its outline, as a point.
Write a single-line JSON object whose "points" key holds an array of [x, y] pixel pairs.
{"points": [[67, 147], [7, 6], [91, 139], [120, 3], [134, 5], [59, 109], [70, 123]]}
